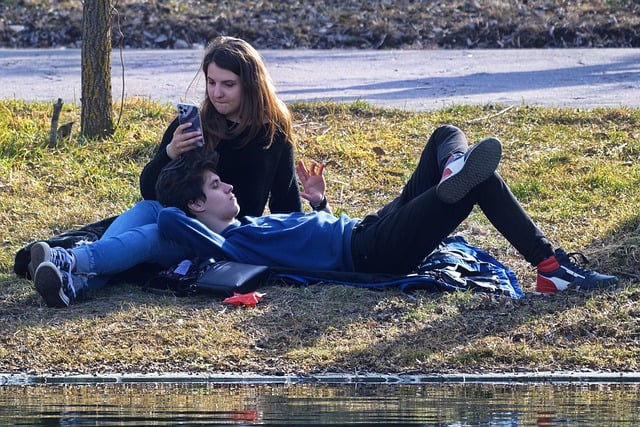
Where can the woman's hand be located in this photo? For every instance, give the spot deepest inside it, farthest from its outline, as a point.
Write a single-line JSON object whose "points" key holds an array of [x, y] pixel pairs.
{"points": [[183, 141], [312, 180]]}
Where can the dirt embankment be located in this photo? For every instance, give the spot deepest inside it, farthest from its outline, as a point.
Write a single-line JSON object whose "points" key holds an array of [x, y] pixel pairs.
{"points": [[381, 24]]}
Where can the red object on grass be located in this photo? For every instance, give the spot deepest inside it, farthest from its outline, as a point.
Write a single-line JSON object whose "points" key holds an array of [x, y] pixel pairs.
{"points": [[249, 299]]}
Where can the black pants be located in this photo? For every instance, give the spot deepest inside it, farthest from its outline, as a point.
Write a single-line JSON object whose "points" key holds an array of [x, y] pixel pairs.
{"points": [[398, 237]]}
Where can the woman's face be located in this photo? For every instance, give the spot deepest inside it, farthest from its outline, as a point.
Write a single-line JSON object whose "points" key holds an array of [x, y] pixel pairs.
{"points": [[225, 91]]}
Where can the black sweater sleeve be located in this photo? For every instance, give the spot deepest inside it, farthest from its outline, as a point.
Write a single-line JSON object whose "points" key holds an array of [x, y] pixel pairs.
{"points": [[285, 194], [151, 171]]}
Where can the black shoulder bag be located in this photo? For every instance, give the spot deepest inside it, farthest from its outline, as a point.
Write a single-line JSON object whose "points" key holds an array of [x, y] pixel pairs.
{"points": [[223, 278]]}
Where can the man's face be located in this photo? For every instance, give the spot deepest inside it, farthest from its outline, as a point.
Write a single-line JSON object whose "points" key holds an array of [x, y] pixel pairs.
{"points": [[220, 201]]}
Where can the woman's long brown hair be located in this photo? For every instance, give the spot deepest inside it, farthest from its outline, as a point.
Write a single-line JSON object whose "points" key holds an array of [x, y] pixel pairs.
{"points": [[260, 107]]}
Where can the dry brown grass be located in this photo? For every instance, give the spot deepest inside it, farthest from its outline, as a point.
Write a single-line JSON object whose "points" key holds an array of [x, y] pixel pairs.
{"points": [[575, 171]]}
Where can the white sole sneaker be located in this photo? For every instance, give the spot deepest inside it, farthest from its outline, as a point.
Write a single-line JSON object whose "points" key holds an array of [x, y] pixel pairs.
{"points": [[50, 285], [465, 172], [40, 252]]}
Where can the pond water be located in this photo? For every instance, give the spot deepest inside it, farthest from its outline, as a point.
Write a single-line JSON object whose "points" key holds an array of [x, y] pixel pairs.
{"points": [[163, 404]]}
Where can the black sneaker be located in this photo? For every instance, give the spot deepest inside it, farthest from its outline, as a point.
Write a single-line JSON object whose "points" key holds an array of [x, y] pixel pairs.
{"points": [[42, 252], [559, 273], [55, 285], [462, 172]]}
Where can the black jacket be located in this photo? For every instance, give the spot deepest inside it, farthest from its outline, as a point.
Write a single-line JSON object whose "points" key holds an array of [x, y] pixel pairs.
{"points": [[258, 176]]}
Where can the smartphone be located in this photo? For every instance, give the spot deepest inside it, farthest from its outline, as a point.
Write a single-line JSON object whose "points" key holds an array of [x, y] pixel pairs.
{"points": [[190, 113]]}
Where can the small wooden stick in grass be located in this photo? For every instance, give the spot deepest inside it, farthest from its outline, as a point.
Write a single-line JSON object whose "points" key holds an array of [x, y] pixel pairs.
{"points": [[479, 119], [53, 133]]}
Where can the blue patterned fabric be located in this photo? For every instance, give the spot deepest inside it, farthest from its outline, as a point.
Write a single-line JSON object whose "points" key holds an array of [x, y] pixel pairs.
{"points": [[455, 266]]}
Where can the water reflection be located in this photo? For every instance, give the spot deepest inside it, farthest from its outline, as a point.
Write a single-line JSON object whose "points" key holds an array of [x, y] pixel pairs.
{"points": [[317, 404]]}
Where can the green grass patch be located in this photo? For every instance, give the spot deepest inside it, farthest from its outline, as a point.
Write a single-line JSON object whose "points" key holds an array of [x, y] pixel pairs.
{"points": [[576, 172]]}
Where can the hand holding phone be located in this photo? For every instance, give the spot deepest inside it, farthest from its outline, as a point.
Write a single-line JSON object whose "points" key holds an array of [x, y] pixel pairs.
{"points": [[189, 113]]}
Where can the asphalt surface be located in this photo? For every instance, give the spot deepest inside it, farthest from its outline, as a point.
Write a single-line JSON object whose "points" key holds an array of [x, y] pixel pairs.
{"points": [[414, 80]]}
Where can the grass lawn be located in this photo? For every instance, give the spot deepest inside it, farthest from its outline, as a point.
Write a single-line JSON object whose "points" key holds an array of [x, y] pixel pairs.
{"points": [[576, 172]]}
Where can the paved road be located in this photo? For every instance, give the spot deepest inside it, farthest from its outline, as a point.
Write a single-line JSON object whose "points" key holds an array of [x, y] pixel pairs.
{"points": [[412, 80]]}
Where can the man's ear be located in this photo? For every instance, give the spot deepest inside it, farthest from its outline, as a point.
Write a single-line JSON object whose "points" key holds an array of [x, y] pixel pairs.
{"points": [[196, 206]]}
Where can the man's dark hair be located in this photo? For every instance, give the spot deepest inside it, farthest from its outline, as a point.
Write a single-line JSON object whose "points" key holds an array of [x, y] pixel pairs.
{"points": [[181, 180]]}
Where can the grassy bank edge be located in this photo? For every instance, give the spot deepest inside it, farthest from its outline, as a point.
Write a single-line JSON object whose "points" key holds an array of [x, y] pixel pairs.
{"points": [[575, 171]]}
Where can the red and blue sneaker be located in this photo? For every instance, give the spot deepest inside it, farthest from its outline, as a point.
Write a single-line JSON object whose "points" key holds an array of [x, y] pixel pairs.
{"points": [[559, 273]]}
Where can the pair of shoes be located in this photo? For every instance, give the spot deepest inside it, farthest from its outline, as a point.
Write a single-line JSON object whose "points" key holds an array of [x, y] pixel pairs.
{"points": [[54, 285], [462, 172], [559, 273], [42, 252], [52, 276]]}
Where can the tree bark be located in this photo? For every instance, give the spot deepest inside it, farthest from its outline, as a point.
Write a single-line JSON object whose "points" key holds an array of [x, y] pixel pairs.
{"points": [[97, 99]]}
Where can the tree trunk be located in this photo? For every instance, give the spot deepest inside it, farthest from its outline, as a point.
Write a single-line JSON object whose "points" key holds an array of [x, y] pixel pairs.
{"points": [[97, 100]]}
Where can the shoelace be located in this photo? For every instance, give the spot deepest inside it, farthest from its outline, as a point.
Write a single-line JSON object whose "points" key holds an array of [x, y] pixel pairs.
{"points": [[453, 157], [67, 284], [61, 258], [571, 256]]}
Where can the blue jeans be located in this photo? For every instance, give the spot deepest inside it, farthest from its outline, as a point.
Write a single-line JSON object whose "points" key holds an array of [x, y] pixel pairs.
{"points": [[132, 239]]}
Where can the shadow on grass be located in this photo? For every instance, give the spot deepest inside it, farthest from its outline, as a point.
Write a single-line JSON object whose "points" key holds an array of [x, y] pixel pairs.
{"points": [[331, 328]]}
